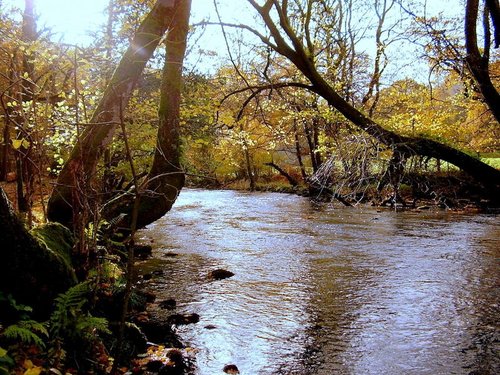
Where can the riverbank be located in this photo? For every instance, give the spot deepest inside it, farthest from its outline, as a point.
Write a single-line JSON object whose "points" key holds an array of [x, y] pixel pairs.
{"points": [[454, 191]]}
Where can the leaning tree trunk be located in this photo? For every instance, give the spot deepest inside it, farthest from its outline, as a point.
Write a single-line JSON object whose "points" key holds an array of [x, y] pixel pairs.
{"points": [[494, 10], [80, 168], [166, 177], [301, 55], [408, 146], [284, 173]]}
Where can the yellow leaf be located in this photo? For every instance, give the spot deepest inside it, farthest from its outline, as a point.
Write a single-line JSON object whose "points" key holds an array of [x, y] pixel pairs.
{"points": [[28, 364], [16, 143], [33, 371]]}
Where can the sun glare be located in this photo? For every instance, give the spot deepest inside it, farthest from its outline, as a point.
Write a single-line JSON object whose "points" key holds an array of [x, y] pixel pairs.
{"points": [[70, 21]]}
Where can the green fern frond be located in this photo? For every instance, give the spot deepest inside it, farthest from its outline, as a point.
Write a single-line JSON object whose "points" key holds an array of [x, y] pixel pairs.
{"points": [[34, 326], [73, 296], [70, 318], [91, 324], [68, 306], [23, 335]]}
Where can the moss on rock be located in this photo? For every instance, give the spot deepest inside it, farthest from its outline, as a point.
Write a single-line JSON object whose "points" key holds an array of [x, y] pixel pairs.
{"points": [[58, 242]]}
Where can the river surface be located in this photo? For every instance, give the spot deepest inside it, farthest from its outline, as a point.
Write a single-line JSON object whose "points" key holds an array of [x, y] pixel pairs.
{"points": [[324, 289]]}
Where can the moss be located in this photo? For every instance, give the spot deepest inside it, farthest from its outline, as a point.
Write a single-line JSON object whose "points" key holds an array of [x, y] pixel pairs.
{"points": [[58, 241]]}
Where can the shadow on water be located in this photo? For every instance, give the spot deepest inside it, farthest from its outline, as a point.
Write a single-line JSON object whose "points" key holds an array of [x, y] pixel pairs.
{"points": [[322, 290]]}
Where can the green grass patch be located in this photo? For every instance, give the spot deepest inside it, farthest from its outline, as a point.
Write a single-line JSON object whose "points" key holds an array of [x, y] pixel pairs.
{"points": [[494, 162]]}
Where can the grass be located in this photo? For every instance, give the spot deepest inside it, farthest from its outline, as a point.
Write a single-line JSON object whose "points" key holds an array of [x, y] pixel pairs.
{"points": [[494, 162]]}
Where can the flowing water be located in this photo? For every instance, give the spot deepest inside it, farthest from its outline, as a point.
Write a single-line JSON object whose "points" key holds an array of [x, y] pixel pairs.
{"points": [[322, 289]]}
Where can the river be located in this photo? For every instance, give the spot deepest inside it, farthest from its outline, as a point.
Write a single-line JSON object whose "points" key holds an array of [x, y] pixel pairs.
{"points": [[326, 289]]}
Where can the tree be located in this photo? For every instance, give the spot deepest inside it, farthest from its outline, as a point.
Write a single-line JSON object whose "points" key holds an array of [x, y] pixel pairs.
{"points": [[291, 36], [67, 201], [166, 177], [20, 93], [35, 93]]}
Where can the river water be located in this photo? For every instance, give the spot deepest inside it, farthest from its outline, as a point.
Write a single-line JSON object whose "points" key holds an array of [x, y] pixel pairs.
{"points": [[324, 289]]}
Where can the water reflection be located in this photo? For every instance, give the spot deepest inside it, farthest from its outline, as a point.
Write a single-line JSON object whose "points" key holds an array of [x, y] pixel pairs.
{"points": [[322, 290]]}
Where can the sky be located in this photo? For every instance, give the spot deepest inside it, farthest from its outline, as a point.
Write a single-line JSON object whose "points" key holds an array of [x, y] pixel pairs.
{"points": [[72, 20], [69, 20]]}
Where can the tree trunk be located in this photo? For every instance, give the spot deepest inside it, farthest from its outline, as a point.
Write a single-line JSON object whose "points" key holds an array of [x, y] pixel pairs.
{"points": [[4, 160], [23, 154], [248, 164], [108, 178], [312, 147], [408, 146], [290, 179], [315, 134], [80, 167], [298, 152], [494, 9], [166, 177], [477, 63]]}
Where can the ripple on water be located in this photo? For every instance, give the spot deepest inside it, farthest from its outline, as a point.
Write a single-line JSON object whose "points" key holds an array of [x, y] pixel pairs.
{"points": [[321, 289]]}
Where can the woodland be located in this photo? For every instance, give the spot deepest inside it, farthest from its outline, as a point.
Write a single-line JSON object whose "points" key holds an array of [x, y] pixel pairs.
{"points": [[98, 141]]}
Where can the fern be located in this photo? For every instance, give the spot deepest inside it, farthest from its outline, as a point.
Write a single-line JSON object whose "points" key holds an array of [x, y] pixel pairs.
{"points": [[68, 306], [90, 323], [69, 320], [26, 332]]}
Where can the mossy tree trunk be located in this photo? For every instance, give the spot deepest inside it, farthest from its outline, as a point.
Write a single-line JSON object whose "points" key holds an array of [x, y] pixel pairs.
{"points": [[79, 170], [166, 177]]}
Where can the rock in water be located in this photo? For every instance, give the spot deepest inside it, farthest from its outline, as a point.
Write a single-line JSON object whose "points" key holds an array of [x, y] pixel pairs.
{"points": [[168, 304], [220, 274], [183, 319], [231, 369], [143, 251]]}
